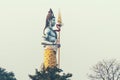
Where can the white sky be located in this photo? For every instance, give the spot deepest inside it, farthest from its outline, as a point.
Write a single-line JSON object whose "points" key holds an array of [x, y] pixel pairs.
{"points": [[91, 32]]}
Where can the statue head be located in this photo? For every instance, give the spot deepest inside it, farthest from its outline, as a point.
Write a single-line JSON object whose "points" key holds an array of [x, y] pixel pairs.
{"points": [[50, 20]]}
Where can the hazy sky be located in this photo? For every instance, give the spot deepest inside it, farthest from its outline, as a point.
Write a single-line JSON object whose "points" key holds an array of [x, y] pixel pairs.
{"points": [[91, 32]]}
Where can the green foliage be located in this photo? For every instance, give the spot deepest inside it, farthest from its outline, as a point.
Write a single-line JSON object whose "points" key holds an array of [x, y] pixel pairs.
{"points": [[4, 75], [50, 74]]}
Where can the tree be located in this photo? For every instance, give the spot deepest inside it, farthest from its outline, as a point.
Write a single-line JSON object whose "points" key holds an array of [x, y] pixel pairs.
{"points": [[50, 74], [106, 70], [4, 75]]}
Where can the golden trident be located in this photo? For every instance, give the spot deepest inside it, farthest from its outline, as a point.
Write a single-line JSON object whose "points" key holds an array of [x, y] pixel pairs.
{"points": [[59, 24]]}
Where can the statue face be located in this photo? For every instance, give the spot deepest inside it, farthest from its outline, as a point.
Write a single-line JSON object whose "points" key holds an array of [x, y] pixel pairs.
{"points": [[53, 22]]}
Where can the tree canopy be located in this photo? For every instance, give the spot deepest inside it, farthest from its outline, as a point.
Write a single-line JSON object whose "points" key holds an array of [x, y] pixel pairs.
{"points": [[4, 75], [106, 70], [50, 74]]}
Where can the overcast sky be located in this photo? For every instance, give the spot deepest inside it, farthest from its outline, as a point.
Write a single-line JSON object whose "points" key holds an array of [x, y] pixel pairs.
{"points": [[91, 33]]}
